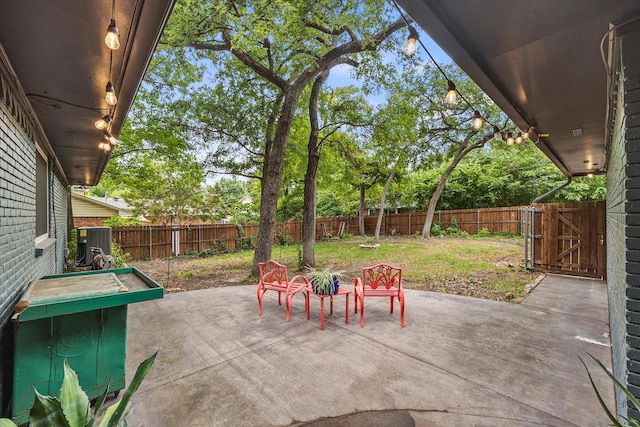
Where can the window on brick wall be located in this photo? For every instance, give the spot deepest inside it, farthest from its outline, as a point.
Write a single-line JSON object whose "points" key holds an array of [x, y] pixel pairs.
{"points": [[42, 197]]}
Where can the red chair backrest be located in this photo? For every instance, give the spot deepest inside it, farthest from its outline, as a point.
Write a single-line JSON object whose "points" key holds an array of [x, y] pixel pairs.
{"points": [[273, 272], [382, 275]]}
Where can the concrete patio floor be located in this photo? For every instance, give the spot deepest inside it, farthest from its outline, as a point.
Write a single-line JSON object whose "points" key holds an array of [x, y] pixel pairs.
{"points": [[459, 361]]}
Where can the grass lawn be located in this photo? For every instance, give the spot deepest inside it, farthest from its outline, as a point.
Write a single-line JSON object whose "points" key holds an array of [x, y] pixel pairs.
{"points": [[488, 267]]}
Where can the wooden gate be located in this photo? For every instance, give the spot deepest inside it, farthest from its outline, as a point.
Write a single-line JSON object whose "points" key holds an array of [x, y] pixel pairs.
{"points": [[570, 238]]}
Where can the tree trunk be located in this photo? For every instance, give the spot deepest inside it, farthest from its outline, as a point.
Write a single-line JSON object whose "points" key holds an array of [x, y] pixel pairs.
{"points": [[309, 197], [361, 213], [382, 200], [272, 179], [431, 209], [462, 151]]}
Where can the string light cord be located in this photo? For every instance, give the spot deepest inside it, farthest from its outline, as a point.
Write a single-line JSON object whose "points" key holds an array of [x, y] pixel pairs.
{"points": [[449, 82], [42, 98]]}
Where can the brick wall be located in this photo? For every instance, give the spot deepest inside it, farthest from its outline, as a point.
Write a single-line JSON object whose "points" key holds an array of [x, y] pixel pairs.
{"points": [[18, 262], [623, 221], [616, 245]]}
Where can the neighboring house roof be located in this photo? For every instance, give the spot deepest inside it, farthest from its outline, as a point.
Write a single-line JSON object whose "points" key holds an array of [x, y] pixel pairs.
{"points": [[116, 202], [83, 206]]}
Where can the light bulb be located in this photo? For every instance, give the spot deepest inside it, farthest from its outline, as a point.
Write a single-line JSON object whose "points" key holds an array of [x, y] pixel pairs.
{"points": [[509, 139], [590, 175], [111, 94], [478, 121], [452, 94], [412, 42], [410, 47], [519, 138], [112, 39], [112, 139], [102, 122]]}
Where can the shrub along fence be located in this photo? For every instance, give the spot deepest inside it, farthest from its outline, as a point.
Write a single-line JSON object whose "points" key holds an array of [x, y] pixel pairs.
{"points": [[160, 241]]}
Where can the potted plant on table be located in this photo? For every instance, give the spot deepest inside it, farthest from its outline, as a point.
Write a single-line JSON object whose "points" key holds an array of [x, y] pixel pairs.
{"points": [[325, 281]]}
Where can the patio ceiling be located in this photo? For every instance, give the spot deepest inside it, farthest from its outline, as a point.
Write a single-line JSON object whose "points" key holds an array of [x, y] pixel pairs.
{"points": [[540, 61], [57, 50]]}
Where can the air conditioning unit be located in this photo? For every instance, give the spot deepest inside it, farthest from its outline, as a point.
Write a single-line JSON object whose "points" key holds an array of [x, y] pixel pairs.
{"points": [[92, 237]]}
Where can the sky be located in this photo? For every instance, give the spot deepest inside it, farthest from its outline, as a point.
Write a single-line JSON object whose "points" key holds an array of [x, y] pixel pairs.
{"points": [[341, 74]]}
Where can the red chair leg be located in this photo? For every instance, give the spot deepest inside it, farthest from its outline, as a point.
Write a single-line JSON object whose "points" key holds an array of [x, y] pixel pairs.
{"points": [[362, 311], [391, 300], [288, 299], [260, 302], [401, 310]]}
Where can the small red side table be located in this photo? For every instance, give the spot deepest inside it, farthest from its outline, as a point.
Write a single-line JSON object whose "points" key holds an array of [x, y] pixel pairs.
{"points": [[341, 291]]}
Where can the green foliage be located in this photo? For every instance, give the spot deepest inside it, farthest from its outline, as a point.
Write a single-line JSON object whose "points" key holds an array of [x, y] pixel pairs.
{"points": [[188, 273], [245, 243], [284, 240], [119, 256], [300, 259], [72, 408], [323, 280], [72, 246], [454, 223], [452, 231], [345, 236], [436, 230], [625, 390], [483, 233], [500, 176], [119, 221], [189, 254]]}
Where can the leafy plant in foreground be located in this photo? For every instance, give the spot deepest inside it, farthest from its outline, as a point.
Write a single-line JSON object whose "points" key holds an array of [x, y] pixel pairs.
{"points": [[72, 407], [632, 398]]}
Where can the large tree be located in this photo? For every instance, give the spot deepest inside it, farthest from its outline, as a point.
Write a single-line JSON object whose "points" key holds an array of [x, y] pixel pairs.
{"points": [[287, 45]]}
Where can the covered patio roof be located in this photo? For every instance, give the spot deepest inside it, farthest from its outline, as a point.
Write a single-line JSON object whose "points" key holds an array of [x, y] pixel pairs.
{"points": [[57, 52], [540, 61]]}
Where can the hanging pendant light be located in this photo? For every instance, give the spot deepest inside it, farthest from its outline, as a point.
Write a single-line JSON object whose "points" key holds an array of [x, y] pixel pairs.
{"points": [[111, 139], [112, 39], [411, 45], [519, 138], [510, 140], [478, 121], [102, 122], [452, 93], [111, 94]]}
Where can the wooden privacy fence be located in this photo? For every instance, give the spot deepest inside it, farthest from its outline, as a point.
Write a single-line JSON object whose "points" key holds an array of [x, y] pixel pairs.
{"points": [[566, 238], [148, 242]]}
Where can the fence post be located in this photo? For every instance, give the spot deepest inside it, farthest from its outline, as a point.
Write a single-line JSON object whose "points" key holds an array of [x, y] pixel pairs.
{"points": [[150, 243], [478, 220]]}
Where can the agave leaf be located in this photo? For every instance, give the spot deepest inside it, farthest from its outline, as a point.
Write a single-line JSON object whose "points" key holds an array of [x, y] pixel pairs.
{"points": [[123, 406], [74, 401], [108, 414], [631, 397], [46, 412], [632, 422], [99, 402], [6, 422]]}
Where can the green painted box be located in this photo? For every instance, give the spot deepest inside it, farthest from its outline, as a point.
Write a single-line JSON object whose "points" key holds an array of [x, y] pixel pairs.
{"points": [[80, 317]]}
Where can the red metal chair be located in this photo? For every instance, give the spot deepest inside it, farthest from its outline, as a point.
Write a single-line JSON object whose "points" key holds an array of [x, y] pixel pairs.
{"points": [[381, 280], [273, 277]]}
